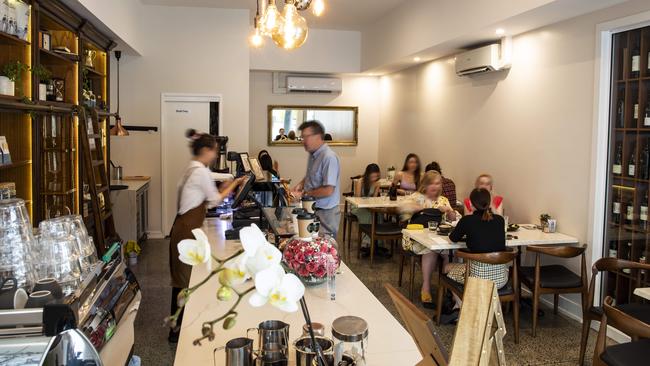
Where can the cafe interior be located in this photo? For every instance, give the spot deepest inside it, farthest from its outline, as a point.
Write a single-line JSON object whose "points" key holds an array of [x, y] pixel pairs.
{"points": [[324, 182]]}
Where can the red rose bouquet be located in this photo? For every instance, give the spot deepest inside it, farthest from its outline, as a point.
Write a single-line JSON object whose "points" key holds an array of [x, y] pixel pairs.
{"points": [[311, 260]]}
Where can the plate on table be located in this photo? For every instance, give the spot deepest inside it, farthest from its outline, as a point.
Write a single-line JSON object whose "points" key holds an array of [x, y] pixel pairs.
{"points": [[513, 228]]}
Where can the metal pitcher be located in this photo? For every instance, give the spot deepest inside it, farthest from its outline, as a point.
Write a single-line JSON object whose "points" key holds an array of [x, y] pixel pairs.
{"points": [[239, 352], [273, 338]]}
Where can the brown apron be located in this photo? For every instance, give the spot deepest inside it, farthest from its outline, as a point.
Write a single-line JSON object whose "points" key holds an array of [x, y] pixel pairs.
{"points": [[181, 230]]}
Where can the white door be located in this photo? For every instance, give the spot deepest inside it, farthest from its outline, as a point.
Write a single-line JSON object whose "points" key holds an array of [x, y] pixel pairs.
{"points": [[179, 113]]}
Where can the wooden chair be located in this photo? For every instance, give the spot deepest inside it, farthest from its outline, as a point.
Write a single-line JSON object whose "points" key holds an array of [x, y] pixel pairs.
{"points": [[636, 310], [348, 217], [632, 353], [554, 279], [413, 260], [388, 231], [508, 294]]}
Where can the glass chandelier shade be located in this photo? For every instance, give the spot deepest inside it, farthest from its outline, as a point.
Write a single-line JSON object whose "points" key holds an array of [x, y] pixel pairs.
{"points": [[271, 20], [293, 31]]}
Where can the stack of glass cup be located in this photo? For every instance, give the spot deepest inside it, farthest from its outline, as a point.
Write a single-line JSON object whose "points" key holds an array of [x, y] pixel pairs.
{"points": [[17, 244]]}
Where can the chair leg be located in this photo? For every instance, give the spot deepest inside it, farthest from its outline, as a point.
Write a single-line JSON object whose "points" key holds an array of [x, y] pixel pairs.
{"points": [[556, 301], [515, 318], [345, 226], [360, 236], [535, 309], [373, 243], [440, 294], [401, 270], [586, 324], [349, 241], [412, 279]]}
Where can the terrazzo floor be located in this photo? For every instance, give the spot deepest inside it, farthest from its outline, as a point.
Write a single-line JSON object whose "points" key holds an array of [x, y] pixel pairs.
{"points": [[557, 341]]}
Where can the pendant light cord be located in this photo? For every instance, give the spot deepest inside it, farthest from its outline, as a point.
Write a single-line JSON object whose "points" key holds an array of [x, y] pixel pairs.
{"points": [[118, 55]]}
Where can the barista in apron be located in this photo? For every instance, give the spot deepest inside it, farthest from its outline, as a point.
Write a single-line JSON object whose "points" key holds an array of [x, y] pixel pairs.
{"points": [[197, 192]]}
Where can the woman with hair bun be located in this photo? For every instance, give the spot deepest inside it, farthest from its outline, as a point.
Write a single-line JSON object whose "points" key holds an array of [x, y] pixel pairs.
{"points": [[197, 192]]}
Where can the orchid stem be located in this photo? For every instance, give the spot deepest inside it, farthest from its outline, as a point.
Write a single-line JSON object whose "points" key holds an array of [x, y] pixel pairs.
{"points": [[240, 296]]}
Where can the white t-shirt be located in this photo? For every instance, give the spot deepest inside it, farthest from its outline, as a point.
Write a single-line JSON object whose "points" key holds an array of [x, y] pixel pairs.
{"points": [[198, 188]]}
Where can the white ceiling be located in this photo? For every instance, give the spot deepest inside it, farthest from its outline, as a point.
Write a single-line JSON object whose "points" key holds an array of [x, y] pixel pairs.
{"points": [[339, 14]]}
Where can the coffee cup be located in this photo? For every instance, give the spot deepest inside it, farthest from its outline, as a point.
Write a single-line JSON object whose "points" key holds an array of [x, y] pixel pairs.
{"points": [[307, 225], [49, 284], [294, 216], [12, 297], [39, 299], [308, 203]]}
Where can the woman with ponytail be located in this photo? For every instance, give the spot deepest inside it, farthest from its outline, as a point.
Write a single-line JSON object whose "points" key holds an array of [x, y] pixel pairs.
{"points": [[483, 232], [197, 192]]}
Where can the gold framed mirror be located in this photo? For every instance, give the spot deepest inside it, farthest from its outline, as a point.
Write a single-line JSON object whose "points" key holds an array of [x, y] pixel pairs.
{"points": [[341, 124]]}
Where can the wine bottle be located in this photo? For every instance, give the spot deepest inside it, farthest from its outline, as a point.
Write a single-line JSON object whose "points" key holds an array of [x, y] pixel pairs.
{"points": [[628, 256], [392, 192], [631, 165], [643, 212], [642, 260], [636, 61], [613, 251], [635, 117], [618, 160], [616, 209], [646, 120], [629, 213], [643, 162], [620, 113]]}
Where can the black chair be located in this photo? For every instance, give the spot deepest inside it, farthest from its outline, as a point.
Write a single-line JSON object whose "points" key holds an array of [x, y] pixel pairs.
{"points": [[632, 353], [387, 231], [349, 218], [639, 311]]}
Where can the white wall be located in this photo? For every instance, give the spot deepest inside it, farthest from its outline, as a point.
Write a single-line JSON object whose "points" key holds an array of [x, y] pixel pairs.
{"points": [[122, 17], [325, 51], [361, 91], [185, 50], [530, 127]]}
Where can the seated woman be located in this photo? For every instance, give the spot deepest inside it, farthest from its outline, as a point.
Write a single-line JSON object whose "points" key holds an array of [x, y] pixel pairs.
{"points": [[483, 232], [366, 186], [408, 179], [429, 195], [486, 182]]}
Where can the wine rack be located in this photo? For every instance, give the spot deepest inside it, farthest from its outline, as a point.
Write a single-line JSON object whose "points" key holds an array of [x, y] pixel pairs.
{"points": [[628, 226]]}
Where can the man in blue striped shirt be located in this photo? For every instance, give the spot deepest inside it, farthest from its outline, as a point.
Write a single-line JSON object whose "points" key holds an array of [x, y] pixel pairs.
{"points": [[322, 178]]}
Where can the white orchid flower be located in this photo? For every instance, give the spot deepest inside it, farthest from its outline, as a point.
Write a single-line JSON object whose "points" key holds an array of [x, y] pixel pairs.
{"points": [[280, 289], [194, 252], [265, 257], [252, 238], [235, 272]]}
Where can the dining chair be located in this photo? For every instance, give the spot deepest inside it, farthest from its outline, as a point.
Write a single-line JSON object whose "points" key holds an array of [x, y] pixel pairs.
{"points": [[554, 279], [639, 310], [507, 294], [636, 352], [413, 260], [348, 217], [388, 231]]}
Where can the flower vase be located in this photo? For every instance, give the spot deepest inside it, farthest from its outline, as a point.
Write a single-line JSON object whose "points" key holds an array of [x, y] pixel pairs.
{"points": [[308, 259]]}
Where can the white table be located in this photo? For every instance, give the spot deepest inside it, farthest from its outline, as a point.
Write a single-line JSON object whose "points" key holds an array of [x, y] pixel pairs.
{"points": [[643, 292], [374, 202], [525, 237], [389, 342]]}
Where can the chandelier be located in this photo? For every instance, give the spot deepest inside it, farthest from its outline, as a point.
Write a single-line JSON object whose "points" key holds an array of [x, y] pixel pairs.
{"points": [[287, 28]]}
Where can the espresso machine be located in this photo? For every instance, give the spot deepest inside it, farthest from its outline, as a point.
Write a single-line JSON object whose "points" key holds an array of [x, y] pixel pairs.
{"points": [[221, 163]]}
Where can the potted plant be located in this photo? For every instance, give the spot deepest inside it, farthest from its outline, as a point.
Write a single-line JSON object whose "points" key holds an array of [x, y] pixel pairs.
{"points": [[44, 75], [10, 83], [543, 220]]}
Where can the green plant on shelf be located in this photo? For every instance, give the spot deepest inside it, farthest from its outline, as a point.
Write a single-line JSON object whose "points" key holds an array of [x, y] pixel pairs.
{"points": [[44, 75], [14, 71]]}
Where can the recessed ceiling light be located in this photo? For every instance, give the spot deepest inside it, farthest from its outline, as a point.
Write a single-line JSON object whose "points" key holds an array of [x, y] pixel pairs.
{"points": [[416, 59], [371, 74], [500, 31]]}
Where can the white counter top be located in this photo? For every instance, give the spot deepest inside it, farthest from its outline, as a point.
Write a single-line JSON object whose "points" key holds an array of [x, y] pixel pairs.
{"points": [[524, 237], [133, 184], [643, 292], [389, 342]]}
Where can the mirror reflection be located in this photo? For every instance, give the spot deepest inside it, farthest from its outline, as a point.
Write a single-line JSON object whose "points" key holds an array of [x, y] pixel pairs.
{"points": [[340, 124]]}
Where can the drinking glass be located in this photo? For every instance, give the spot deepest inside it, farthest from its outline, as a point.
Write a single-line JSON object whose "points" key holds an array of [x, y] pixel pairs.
{"points": [[60, 253], [17, 243], [433, 225], [383, 194]]}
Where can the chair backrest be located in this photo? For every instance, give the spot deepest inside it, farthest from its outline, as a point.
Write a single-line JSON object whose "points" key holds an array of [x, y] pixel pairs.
{"points": [[558, 251], [627, 324], [489, 258], [609, 264], [355, 186]]}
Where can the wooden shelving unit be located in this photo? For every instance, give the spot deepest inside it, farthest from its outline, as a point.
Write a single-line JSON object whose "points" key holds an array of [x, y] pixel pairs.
{"points": [[628, 228], [43, 134]]}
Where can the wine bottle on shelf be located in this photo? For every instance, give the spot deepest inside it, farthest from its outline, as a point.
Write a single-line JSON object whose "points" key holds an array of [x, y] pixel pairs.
{"points": [[636, 61], [643, 162], [631, 165], [616, 209], [629, 213], [643, 212], [646, 119], [618, 160], [613, 251], [642, 260], [628, 256], [635, 118], [620, 113]]}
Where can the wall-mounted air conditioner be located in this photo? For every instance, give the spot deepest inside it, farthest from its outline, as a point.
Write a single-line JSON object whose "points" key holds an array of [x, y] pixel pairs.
{"points": [[306, 84], [493, 57]]}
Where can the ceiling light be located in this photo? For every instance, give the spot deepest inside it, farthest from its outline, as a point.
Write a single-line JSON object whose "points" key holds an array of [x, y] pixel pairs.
{"points": [[500, 31], [256, 40], [416, 59], [293, 32], [271, 20], [318, 7], [285, 25]]}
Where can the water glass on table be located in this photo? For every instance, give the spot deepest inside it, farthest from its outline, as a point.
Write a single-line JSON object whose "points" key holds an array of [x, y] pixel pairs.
{"points": [[383, 194], [433, 225]]}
